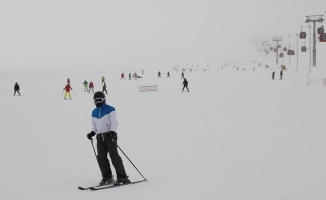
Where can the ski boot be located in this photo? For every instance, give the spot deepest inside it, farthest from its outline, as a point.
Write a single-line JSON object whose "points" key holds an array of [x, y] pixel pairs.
{"points": [[106, 180], [122, 180]]}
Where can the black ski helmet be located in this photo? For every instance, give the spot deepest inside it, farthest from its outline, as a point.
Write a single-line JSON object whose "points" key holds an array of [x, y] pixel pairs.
{"points": [[99, 94]]}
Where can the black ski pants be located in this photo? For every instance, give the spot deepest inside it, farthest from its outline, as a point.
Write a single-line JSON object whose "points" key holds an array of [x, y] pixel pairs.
{"points": [[185, 86], [16, 91], [105, 145]]}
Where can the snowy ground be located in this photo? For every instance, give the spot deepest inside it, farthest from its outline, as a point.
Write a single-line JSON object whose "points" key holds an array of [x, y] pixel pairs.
{"points": [[235, 135]]}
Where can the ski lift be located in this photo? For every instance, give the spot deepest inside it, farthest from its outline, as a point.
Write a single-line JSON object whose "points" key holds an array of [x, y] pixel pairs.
{"points": [[285, 49], [281, 55], [320, 30], [303, 48], [302, 35], [279, 46], [271, 48], [322, 37]]}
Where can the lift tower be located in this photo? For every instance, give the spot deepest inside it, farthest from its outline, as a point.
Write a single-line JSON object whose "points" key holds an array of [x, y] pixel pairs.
{"points": [[314, 19]]}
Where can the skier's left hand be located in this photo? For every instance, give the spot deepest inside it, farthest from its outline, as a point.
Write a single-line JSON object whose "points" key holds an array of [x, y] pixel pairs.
{"points": [[114, 135]]}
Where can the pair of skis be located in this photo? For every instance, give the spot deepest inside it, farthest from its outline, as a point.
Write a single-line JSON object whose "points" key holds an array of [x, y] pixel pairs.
{"points": [[107, 186]]}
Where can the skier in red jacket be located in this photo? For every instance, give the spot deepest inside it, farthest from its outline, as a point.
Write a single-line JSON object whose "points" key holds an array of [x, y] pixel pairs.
{"points": [[67, 88], [91, 87]]}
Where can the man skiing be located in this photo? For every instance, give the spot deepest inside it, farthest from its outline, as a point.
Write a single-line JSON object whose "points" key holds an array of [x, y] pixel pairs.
{"points": [[104, 88], [67, 88], [91, 87], [185, 84], [86, 86], [16, 88], [105, 124]]}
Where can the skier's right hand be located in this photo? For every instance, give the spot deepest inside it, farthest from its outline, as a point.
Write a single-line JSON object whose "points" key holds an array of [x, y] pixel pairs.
{"points": [[90, 135]]}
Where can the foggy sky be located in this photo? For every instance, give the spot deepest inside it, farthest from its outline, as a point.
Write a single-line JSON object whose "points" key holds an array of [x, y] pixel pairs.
{"points": [[144, 33]]}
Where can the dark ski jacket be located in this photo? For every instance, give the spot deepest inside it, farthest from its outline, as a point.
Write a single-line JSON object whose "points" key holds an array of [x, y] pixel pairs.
{"points": [[16, 87], [185, 82]]}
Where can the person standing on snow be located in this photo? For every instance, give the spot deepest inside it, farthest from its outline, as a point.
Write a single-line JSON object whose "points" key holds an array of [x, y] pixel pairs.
{"points": [[103, 80], [86, 86], [159, 74], [182, 75], [104, 88], [67, 88], [122, 76], [168, 74], [273, 75], [16, 88], [185, 84], [105, 124], [91, 87], [281, 74]]}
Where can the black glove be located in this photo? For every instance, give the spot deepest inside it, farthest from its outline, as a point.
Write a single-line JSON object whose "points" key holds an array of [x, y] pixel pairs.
{"points": [[114, 135], [90, 135]]}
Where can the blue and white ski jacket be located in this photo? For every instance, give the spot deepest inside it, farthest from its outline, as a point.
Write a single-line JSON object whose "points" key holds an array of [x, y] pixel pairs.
{"points": [[104, 119]]}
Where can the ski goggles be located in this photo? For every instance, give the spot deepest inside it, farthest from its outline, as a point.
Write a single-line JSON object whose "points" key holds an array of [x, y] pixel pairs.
{"points": [[99, 100]]}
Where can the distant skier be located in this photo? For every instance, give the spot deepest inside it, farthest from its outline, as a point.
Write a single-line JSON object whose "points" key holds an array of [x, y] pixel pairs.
{"points": [[105, 124], [142, 71], [104, 88], [86, 86], [281, 74], [273, 75], [129, 76], [103, 80], [122, 76], [168, 74], [16, 89], [91, 87], [67, 88], [159, 74], [185, 84], [182, 75]]}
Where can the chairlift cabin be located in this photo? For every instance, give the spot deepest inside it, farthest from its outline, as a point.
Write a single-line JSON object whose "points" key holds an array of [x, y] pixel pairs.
{"points": [[281, 55], [303, 35], [320, 30], [271, 48], [303, 48], [322, 37], [290, 52], [285, 49]]}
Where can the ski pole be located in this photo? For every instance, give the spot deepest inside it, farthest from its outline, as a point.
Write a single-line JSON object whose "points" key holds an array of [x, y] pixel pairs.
{"points": [[129, 159], [95, 153], [74, 92], [61, 93]]}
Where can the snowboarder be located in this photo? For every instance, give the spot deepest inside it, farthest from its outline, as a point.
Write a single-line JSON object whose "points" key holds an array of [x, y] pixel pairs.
{"points": [[105, 124], [159, 74], [281, 74], [16, 88], [86, 86], [91, 87], [104, 88], [67, 88], [185, 84], [273, 75]]}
